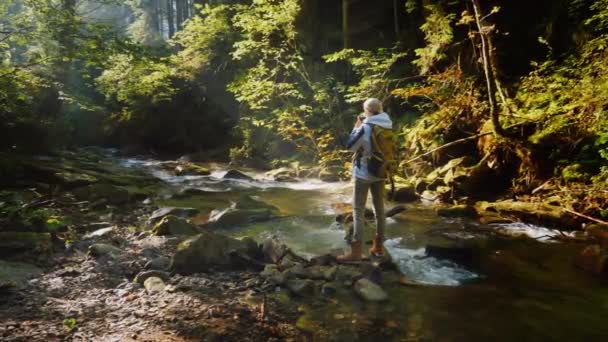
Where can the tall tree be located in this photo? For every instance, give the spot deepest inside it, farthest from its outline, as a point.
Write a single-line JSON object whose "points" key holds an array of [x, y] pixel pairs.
{"points": [[345, 24]]}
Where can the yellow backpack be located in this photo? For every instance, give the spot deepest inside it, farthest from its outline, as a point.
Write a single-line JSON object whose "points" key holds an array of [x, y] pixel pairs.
{"points": [[384, 160]]}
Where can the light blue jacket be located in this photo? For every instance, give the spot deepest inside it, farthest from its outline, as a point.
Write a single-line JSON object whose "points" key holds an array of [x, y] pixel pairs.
{"points": [[362, 138]]}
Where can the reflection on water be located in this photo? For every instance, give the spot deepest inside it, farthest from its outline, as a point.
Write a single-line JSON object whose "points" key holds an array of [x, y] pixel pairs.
{"points": [[518, 289]]}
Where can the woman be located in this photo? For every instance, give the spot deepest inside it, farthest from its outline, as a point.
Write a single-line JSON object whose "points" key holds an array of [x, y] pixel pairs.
{"points": [[364, 180]]}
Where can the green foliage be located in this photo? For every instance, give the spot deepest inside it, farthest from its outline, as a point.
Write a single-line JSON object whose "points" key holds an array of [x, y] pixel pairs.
{"points": [[438, 35], [373, 70], [70, 323]]}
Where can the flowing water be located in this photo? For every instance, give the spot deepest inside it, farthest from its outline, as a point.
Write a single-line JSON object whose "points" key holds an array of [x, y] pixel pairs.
{"points": [[499, 289]]}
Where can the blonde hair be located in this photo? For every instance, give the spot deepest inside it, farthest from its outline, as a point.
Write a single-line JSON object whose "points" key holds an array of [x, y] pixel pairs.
{"points": [[373, 105]]}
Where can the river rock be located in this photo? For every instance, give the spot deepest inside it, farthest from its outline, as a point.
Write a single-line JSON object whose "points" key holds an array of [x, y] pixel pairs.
{"points": [[330, 174], [329, 289], [301, 287], [537, 213], [462, 255], [274, 275], [159, 264], [100, 233], [16, 274], [141, 277], [231, 217], [14, 242], [235, 174], [70, 180], [154, 285], [273, 250], [94, 192], [102, 249], [285, 179], [248, 202], [458, 211], [370, 291], [405, 194], [281, 172], [593, 259], [190, 169], [173, 225], [210, 250], [166, 211]]}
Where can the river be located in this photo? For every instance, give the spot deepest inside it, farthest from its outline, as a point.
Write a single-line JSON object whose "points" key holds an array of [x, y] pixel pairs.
{"points": [[505, 289]]}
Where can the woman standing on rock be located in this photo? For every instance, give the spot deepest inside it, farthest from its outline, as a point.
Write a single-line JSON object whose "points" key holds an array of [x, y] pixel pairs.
{"points": [[365, 178]]}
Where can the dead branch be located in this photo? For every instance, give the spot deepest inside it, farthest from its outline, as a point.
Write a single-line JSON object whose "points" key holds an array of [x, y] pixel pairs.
{"points": [[585, 216]]}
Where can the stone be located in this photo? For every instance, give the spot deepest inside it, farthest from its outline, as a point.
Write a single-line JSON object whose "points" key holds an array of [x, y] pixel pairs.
{"points": [[211, 250], [235, 174], [231, 217], [301, 287], [329, 289], [405, 195], [99, 233], [285, 179], [102, 249], [330, 174], [458, 211], [16, 274], [462, 255], [141, 277], [594, 260], [249, 203], [273, 250], [14, 242], [154, 285], [74, 179], [272, 273], [370, 291], [166, 211], [159, 264], [536, 213], [95, 192], [173, 225], [190, 169]]}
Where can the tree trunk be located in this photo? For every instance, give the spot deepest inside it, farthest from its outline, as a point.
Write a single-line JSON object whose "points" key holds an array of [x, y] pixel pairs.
{"points": [[345, 36], [396, 17], [66, 38], [170, 18], [488, 70], [178, 14]]}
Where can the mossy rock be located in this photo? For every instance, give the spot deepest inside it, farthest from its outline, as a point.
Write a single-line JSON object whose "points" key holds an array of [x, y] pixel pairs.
{"points": [[14, 242], [94, 192], [16, 274], [536, 213], [209, 250], [458, 211], [190, 169], [232, 217], [172, 225]]}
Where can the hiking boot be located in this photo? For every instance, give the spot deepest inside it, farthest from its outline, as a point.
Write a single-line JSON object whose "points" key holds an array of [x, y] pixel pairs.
{"points": [[354, 255], [377, 247]]}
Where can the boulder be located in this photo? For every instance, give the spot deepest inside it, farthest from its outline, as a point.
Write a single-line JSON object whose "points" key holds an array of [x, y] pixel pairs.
{"points": [[16, 274], [235, 174], [370, 291], [14, 242], [594, 260], [231, 217], [248, 202], [102, 249], [180, 212], [301, 287], [405, 195], [462, 255], [210, 250], [537, 213], [190, 169], [173, 225], [94, 192], [158, 264], [273, 250], [458, 211], [330, 174], [281, 172], [274, 275], [70, 180], [285, 179], [154, 285]]}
